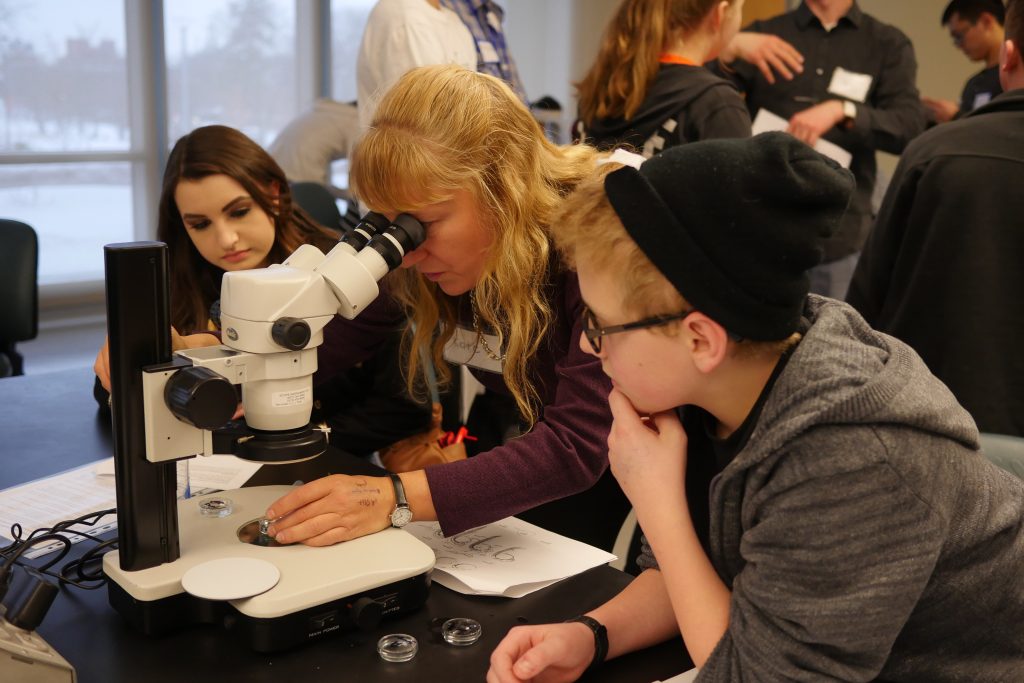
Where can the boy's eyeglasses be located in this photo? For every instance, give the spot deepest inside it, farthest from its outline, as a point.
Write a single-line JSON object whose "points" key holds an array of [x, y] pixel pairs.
{"points": [[958, 34], [594, 333]]}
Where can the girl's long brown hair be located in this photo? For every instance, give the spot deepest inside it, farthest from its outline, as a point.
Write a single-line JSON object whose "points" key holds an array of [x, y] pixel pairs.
{"points": [[627, 61], [212, 150]]}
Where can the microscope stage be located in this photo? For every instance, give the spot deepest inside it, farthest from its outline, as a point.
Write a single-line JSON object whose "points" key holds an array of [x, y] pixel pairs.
{"points": [[310, 577]]}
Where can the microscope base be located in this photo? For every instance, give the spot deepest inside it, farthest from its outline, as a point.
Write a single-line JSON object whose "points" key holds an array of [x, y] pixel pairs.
{"points": [[321, 590]]}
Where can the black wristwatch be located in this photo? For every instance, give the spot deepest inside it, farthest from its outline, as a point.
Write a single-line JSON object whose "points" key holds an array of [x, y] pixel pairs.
{"points": [[600, 638], [401, 515]]}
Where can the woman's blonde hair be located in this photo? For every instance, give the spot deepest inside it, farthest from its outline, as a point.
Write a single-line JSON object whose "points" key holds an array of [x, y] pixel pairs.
{"points": [[442, 129], [628, 59]]}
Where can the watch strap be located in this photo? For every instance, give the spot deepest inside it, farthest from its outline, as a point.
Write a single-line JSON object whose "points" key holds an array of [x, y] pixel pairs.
{"points": [[600, 638], [400, 499]]}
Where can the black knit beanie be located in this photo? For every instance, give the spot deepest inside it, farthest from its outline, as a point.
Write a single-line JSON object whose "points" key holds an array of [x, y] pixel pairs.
{"points": [[734, 225]]}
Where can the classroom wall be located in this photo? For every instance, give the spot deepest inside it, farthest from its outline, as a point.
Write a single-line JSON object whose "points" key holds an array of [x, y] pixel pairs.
{"points": [[942, 68], [553, 43]]}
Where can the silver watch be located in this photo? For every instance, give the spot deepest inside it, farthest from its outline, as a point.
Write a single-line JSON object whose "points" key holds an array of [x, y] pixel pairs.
{"points": [[401, 515]]}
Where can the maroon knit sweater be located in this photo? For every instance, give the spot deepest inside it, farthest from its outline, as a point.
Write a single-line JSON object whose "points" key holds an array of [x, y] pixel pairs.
{"points": [[564, 453]]}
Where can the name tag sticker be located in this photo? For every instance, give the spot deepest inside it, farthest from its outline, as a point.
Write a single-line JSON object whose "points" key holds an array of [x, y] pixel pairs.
{"points": [[488, 55], [463, 349], [850, 84], [981, 99]]}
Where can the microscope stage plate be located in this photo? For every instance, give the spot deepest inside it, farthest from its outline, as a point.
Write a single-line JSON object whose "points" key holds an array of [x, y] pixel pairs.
{"points": [[309, 576]]}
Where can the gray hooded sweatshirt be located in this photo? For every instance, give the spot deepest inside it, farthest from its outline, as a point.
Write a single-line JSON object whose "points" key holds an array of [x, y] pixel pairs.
{"points": [[861, 531]]}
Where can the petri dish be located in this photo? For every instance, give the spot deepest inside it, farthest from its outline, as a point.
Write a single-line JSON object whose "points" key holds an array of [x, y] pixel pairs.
{"points": [[461, 631], [397, 647], [215, 507]]}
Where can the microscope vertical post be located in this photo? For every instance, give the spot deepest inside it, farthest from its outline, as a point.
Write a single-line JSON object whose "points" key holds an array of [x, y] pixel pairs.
{"points": [[138, 329]]}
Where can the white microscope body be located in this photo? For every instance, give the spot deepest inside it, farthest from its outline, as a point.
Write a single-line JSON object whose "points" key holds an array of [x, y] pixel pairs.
{"points": [[272, 321]]}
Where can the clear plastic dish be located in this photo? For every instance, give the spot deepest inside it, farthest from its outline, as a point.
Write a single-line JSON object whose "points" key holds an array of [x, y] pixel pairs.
{"points": [[461, 631], [397, 647], [216, 507]]}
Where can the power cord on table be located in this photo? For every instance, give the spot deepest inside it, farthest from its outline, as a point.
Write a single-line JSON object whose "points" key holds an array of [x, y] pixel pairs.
{"points": [[23, 652]]}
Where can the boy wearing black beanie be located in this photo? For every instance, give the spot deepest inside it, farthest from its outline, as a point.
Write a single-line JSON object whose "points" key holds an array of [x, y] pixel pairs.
{"points": [[814, 499]]}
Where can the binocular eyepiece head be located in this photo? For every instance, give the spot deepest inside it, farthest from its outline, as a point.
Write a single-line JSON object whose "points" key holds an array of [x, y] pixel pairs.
{"points": [[391, 239], [404, 234]]}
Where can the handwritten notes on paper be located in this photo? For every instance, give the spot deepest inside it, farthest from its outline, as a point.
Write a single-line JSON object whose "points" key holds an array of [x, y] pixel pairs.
{"points": [[511, 558]]}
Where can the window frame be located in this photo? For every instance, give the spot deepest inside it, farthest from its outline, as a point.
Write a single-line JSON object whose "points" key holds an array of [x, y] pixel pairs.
{"points": [[149, 145]]}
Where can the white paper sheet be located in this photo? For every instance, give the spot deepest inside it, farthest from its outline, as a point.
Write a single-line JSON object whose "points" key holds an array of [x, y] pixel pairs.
{"points": [[766, 121], [45, 502], [90, 488], [510, 558], [214, 472]]}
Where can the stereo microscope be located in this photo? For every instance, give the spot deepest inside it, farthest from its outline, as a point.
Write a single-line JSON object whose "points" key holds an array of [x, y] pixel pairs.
{"points": [[206, 559]]}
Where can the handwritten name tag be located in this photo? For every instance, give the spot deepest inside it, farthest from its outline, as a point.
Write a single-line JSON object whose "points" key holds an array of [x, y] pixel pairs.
{"points": [[464, 349]]}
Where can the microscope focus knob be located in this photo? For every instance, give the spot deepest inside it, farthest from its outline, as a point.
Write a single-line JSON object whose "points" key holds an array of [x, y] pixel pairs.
{"points": [[366, 613], [200, 397], [291, 333]]}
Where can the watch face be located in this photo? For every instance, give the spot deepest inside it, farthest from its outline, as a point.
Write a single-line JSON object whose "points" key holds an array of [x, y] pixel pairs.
{"points": [[401, 516]]}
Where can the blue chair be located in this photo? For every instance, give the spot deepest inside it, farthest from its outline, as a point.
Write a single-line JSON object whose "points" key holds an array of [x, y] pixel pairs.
{"points": [[19, 304], [1004, 450]]}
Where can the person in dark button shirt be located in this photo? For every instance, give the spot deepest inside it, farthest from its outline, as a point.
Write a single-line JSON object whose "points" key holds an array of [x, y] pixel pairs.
{"points": [[857, 90], [814, 499], [941, 269], [976, 27]]}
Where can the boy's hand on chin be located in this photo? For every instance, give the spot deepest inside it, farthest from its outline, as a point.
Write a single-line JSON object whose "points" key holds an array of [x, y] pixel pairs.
{"points": [[647, 455]]}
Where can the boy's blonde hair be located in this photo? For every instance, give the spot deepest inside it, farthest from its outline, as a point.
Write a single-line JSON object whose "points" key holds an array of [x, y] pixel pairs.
{"points": [[586, 228], [442, 129]]}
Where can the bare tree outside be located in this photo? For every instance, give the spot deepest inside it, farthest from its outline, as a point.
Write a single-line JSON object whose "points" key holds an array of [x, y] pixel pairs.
{"points": [[64, 89], [242, 74]]}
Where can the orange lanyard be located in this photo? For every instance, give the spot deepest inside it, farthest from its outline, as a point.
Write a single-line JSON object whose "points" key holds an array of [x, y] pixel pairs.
{"points": [[672, 58]]}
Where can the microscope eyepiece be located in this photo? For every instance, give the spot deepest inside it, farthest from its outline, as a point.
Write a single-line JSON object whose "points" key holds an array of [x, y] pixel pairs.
{"points": [[369, 225], [403, 235]]}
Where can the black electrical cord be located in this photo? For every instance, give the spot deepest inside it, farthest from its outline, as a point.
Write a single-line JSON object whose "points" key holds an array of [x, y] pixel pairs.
{"points": [[83, 572]]}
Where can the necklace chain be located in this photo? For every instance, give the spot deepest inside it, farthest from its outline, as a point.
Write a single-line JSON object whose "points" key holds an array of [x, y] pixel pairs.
{"points": [[481, 340]]}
